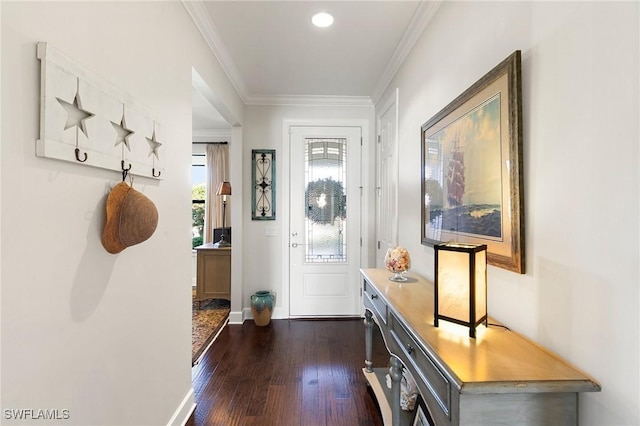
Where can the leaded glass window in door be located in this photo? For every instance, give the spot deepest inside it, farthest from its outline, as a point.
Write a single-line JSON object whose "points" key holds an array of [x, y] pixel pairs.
{"points": [[326, 200]]}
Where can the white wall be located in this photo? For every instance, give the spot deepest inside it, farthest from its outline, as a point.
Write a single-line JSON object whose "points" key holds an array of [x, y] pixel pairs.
{"points": [[580, 71], [104, 336], [263, 255]]}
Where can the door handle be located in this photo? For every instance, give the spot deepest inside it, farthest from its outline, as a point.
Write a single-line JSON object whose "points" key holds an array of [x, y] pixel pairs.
{"points": [[294, 245]]}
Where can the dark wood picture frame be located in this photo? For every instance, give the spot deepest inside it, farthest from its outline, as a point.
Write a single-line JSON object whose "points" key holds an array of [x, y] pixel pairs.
{"points": [[472, 180]]}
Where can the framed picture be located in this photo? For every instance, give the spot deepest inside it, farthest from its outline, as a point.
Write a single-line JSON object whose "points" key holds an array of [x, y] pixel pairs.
{"points": [[422, 417], [263, 179], [472, 182]]}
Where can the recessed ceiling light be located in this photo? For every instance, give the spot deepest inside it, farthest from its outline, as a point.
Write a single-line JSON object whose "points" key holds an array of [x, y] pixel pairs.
{"points": [[322, 20]]}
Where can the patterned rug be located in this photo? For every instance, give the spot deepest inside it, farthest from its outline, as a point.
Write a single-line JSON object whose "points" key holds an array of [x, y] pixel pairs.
{"points": [[205, 324]]}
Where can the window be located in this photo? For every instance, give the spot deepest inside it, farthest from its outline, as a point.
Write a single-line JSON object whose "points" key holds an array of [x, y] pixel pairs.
{"points": [[198, 196], [326, 200]]}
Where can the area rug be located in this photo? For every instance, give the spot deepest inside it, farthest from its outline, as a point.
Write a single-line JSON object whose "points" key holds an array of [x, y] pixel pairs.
{"points": [[206, 322]]}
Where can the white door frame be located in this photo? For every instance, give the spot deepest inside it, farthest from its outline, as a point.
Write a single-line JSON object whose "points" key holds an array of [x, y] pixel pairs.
{"points": [[391, 102], [286, 185]]}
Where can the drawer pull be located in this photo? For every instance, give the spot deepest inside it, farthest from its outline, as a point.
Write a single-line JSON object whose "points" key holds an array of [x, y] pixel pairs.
{"points": [[374, 296]]}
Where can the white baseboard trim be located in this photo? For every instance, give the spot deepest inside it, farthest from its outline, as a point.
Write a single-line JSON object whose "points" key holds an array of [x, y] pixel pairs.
{"points": [[278, 313], [236, 317], [184, 410], [246, 315]]}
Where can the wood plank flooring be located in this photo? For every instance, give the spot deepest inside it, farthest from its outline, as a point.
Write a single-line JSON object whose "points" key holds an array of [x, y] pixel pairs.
{"points": [[292, 372]]}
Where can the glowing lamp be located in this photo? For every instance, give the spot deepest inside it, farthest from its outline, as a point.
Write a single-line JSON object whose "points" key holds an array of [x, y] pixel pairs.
{"points": [[461, 284]]}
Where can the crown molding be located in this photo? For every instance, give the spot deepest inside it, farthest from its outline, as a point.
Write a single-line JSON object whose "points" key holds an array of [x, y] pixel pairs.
{"points": [[424, 13], [311, 100], [200, 16]]}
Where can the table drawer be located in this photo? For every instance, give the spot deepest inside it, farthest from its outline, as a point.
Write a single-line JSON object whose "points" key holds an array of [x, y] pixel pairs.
{"points": [[436, 382], [376, 301]]}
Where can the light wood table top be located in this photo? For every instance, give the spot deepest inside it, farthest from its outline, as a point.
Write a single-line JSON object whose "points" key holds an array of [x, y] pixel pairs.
{"points": [[497, 359]]}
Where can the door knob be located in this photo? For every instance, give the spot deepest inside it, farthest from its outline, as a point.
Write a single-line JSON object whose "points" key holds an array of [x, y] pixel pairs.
{"points": [[294, 245], [410, 348]]}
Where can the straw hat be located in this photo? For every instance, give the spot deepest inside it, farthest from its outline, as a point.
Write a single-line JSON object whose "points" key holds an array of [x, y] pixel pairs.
{"points": [[131, 218]]}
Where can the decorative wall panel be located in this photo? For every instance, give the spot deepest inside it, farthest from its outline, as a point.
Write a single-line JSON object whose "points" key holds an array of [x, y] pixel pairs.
{"points": [[263, 179], [86, 120]]}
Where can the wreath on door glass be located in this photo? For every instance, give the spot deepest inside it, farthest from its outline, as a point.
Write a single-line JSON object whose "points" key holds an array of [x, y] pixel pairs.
{"points": [[325, 200]]}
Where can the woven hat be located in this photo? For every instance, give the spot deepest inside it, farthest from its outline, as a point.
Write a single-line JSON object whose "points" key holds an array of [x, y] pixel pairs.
{"points": [[131, 218]]}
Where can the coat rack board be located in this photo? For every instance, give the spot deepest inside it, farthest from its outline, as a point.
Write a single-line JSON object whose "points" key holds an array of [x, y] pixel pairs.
{"points": [[86, 120]]}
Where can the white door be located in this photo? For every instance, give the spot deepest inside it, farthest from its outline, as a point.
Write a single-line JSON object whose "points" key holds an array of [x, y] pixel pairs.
{"points": [[387, 180], [324, 229]]}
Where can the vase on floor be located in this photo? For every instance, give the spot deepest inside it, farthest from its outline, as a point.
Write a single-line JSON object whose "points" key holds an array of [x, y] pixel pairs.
{"points": [[261, 307]]}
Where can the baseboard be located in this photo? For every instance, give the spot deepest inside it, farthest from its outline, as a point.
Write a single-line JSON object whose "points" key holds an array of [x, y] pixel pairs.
{"points": [[184, 410], [278, 313], [236, 317], [246, 313]]}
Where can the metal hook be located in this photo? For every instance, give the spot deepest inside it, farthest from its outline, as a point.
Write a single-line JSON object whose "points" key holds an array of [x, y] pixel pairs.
{"points": [[78, 156], [125, 172], [153, 172]]}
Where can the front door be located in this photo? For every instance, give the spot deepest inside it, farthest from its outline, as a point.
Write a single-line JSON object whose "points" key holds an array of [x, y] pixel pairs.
{"points": [[324, 232]]}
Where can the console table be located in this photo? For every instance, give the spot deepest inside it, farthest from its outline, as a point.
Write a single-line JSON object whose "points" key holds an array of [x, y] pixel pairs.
{"points": [[498, 378], [213, 273]]}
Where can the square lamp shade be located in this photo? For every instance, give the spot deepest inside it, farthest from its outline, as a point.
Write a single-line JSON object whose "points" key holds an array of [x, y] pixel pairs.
{"points": [[461, 284]]}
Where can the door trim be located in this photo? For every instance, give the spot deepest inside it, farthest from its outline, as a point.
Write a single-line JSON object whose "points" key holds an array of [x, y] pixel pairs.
{"points": [[287, 123], [392, 101]]}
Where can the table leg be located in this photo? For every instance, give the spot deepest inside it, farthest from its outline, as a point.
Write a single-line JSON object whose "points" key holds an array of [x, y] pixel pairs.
{"points": [[368, 340], [395, 371]]}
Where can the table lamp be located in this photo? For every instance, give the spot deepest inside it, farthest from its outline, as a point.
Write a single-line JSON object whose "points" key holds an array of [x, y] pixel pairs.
{"points": [[224, 189], [461, 284]]}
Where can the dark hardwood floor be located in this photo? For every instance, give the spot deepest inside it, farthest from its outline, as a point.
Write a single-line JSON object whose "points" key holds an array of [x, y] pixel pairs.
{"points": [[292, 372]]}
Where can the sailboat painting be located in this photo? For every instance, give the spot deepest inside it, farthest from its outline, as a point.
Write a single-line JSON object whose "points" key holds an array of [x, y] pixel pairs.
{"points": [[472, 185], [464, 165]]}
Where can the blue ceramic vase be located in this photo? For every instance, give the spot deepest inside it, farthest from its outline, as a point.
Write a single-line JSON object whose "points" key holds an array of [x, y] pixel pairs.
{"points": [[261, 307]]}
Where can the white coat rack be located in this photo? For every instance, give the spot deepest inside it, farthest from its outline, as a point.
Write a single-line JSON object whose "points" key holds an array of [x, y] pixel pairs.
{"points": [[86, 120]]}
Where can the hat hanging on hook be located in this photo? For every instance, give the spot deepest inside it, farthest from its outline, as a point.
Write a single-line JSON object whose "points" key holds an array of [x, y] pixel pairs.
{"points": [[131, 218]]}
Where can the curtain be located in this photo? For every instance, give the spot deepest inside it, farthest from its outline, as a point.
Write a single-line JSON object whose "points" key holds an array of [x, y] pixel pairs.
{"points": [[217, 172]]}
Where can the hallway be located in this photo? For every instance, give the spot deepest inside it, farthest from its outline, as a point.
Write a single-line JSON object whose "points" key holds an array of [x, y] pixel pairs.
{"points": [[292, 372]]}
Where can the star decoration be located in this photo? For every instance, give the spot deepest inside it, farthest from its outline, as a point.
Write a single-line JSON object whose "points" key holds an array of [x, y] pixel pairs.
{"points": [[76, 115], [122, 133], [154, 145]]}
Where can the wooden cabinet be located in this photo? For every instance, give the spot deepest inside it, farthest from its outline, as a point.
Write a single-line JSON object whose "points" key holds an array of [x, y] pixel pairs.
{"points": [[499, 377], [213, 272]]}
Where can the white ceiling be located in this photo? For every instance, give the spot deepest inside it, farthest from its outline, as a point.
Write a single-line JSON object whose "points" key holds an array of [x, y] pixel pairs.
{"points": [[274, 55]]}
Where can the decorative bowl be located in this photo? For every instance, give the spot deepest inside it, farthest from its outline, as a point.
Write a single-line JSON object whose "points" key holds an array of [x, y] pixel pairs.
{"points": [[398, 261]]}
